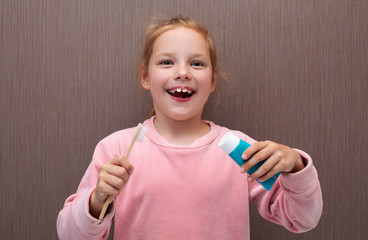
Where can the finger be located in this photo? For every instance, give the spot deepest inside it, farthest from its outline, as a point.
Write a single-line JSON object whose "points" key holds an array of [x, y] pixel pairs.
{"points": [[266, 170], [121, 161], [262, 154], [270, 174], [118, 171], [104, 189], [127, 165], [116, 182], [255, 147]]}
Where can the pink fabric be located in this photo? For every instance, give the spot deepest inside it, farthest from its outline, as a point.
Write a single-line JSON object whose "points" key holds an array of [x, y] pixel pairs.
{"points": [[188, 192]]}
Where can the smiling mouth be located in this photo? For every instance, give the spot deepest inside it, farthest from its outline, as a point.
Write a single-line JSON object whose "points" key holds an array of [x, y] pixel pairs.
{"points": [[181, 93]]}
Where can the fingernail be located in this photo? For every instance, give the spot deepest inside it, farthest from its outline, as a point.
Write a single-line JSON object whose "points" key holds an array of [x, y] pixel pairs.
{"points": [[260, 179], [242, 170], [244, 156], [250, 179]]}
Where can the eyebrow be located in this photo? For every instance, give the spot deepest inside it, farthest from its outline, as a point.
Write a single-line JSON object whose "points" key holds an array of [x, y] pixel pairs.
{"points": [[167, 54], [164, 54]]}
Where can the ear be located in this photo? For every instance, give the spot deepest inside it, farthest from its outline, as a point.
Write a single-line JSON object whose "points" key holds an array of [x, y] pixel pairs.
{"points": [[144, 77], [214, 79]]}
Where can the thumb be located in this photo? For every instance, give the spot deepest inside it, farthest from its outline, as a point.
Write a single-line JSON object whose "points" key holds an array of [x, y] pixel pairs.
{"points": [[124, 162]]}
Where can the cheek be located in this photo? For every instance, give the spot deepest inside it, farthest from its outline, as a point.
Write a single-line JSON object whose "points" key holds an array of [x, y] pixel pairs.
{"points": [[206, 81], [157, 76], [156, 82]]}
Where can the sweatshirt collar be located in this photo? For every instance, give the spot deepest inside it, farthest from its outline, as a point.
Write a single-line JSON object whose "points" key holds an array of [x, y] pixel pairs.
{"points": [[159, 140]]}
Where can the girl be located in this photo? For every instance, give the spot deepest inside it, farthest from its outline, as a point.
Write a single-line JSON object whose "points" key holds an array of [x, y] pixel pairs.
{"points": [[177, 183]]}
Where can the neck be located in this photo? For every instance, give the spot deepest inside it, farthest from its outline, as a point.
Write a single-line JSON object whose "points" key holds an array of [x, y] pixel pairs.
{"points": [[181, 132]]}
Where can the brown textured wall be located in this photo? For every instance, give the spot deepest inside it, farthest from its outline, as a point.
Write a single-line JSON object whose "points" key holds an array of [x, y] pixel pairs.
{"points": [[298, 71]]}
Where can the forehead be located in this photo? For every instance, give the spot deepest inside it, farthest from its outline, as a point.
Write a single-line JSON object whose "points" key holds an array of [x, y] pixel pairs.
{"points": [[181, 39]]}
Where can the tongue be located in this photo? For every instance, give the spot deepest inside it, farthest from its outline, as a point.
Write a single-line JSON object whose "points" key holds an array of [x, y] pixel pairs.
{"points": [[181, 94]]}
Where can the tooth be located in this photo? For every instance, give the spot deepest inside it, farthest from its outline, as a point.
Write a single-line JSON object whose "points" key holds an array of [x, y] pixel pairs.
{"points": [[190, 92], [185, 90], [178, 90]]}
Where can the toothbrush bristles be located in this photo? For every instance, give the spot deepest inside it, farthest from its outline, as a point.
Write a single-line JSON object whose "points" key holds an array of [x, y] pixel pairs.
{"points": [[141, 134]]}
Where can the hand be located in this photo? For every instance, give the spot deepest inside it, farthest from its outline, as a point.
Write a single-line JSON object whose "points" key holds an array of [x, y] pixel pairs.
{"points": [[112, 178], [278, 158]]}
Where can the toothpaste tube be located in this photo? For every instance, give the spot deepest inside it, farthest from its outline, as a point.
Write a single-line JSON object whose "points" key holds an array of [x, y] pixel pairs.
{"points": [[235, 147]]}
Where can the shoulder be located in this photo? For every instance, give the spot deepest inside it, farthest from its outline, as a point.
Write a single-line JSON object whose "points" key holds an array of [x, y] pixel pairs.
{"points": [[124, 136], [119, 135], [116, 141]]}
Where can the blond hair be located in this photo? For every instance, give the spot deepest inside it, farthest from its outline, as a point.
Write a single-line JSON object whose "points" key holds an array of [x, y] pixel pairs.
{"points": [[153, 31]]}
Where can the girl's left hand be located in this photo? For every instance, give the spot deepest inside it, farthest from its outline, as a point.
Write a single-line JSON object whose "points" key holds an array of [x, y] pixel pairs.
{"points": [[279, 158]]}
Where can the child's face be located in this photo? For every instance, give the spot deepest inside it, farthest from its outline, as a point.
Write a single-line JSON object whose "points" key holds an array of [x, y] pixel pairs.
{"points": [[180, 75]]}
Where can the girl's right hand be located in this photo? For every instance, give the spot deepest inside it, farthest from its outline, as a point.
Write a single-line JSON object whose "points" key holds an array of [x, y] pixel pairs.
{"points": [[112, 178]]}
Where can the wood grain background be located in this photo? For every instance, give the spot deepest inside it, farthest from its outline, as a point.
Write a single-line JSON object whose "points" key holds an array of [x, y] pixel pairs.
{"points": [[298, 75]]}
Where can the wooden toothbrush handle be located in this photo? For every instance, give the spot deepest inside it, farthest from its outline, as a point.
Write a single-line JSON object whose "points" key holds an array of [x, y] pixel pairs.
{"points": [[105, 206], [110, 198]]}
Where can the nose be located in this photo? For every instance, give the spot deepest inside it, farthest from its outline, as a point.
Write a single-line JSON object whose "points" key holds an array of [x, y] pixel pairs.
{"points": [[183, 74]]}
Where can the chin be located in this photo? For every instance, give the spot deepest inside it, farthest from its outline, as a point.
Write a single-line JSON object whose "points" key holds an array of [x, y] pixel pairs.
{"points": [[184, 116], [180, 113]]}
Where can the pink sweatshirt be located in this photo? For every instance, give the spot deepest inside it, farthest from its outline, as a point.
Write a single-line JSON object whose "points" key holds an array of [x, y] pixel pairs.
{"points": [[188, 192]]}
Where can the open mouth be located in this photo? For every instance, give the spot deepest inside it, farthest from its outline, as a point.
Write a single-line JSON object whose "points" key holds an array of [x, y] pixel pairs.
{"points": [[181, 93]]}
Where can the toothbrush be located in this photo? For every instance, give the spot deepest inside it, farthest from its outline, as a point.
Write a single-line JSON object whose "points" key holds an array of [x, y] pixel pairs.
{"points": [[138, 135]]}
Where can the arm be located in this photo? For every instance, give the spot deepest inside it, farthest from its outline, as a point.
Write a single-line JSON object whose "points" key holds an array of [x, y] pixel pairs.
{"points": [[294, 202], [74, 220]]}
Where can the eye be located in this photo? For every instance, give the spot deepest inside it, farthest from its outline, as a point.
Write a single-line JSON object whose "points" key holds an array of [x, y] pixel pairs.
{"points": [[166, 62], [197, 64]]}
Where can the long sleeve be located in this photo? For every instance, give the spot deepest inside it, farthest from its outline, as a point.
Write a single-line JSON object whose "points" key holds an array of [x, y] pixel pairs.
{"points": [[187, 192], [74, 220], [295, 202]]}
